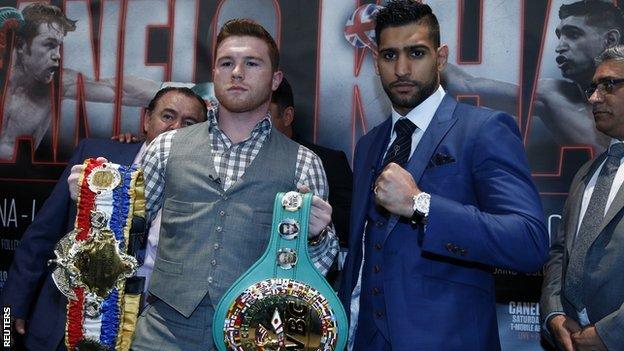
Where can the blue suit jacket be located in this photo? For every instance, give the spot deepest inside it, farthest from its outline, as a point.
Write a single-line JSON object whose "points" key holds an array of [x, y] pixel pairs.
{"points": [[29, 288], [485, 212]]}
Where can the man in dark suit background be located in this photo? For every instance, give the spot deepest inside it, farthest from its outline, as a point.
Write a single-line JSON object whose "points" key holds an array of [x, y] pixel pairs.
{"points": [[37, 305], [582, 305], [442, 193], [337, 169]]}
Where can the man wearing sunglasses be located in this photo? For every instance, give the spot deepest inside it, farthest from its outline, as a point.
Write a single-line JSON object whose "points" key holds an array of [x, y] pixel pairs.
{"points": [[582, 303]]}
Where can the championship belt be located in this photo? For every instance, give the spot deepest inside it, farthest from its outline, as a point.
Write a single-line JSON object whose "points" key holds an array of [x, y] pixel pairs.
{"points": [[92, 260], [282, 302]]}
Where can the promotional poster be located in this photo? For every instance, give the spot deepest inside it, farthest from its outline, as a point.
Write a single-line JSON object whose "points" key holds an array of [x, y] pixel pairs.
{"points": [[94, 81]]}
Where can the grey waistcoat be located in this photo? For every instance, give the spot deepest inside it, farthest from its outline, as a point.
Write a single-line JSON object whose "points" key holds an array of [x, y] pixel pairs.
{"points": [[210, 237]]}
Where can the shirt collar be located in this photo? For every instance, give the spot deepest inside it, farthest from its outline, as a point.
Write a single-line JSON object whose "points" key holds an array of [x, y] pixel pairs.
{"points": [[262, 127], [422, 114]]}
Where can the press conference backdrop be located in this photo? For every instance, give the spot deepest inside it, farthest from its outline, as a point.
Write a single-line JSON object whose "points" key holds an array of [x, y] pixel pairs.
{"points": [[130, 45]]}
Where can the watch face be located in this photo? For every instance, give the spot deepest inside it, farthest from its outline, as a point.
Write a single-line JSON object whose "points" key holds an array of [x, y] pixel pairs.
{"points": [[280, 314], [421, 203]]}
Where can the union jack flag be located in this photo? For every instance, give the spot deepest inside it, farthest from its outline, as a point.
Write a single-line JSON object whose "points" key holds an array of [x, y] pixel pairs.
{"points": [[360, 28]]}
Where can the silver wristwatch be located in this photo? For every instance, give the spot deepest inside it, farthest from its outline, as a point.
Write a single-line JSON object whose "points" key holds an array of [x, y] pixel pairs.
{"points": [[421, 207]]}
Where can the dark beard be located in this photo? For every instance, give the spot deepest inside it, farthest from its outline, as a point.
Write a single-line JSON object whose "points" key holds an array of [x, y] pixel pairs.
{"points": [[416, 99]]}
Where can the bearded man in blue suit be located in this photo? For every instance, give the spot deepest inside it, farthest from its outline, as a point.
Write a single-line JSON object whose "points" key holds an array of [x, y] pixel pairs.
{"points": [[442, 194], [37, 305]]}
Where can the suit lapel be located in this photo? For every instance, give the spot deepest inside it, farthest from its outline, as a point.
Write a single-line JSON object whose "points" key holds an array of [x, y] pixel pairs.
{"points": [[128, 157], [365, 176], [441, 123], [612, 211]]}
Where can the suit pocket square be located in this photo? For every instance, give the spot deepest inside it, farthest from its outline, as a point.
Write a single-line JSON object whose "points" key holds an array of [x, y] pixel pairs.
{"points": [[440, 159]]}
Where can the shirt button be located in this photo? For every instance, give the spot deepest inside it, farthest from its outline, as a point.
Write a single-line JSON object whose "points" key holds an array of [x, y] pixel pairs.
{"points": [[376, 269], [219, 229], [210, 280], [379, 313], [376, 291], [216, 246], [213, 262], [379, 224], [221, 213], [378, 247]]}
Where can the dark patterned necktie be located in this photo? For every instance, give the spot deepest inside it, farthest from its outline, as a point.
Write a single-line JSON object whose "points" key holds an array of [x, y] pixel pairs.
{"points": [[399, 150], [591, 222]]}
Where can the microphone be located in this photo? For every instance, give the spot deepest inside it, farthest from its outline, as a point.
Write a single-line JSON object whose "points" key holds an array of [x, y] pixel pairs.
{"points": [[216, 180]]}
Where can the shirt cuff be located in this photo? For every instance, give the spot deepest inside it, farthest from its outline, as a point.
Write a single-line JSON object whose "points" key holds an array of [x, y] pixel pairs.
{"points": [[324, 253]]}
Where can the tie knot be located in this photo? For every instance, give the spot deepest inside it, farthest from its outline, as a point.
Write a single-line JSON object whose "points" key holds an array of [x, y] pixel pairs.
{"points": [[616, 150], [404, 127]]}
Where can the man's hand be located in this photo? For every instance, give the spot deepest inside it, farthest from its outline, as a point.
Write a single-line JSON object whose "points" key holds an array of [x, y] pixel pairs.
{"points": [[394, 189], [562, 328], [587, 340], [20, 326], [74, 176], [320, 213], [126, 138]]}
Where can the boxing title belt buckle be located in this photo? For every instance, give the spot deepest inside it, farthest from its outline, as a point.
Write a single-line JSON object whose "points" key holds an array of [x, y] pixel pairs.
{"points": [[92, 263], [282, 302]]}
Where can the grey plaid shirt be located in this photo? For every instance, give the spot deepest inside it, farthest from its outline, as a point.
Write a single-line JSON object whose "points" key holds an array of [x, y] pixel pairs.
{"points": [[231, 161]]}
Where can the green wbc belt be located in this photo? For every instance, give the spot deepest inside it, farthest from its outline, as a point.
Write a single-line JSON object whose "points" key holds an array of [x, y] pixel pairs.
{"points": [[282, 302]]}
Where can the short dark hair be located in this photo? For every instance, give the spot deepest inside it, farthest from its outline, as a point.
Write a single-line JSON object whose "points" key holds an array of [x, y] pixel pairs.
{"points": [[402, 12], [283, 96], [38, 13], [602, 14], [182, 90], [242, 27]]}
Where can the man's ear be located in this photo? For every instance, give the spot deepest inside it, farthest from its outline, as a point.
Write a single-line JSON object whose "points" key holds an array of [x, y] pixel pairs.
{"points": [[442, 52], [276, 80], [288, 116], [146, 121], [611, 38]]}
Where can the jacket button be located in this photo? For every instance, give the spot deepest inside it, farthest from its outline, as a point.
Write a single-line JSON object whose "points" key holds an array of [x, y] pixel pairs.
{"points": [[380, 224], [213, 262], [219, 229], [376, 269], [378, 247], [221, 213], [216, 246], [449, 247], [209, 280]]}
